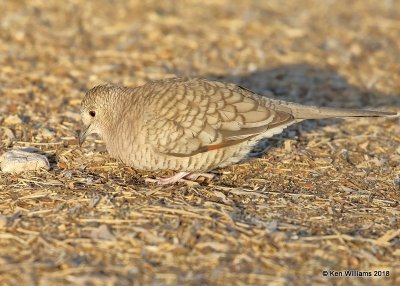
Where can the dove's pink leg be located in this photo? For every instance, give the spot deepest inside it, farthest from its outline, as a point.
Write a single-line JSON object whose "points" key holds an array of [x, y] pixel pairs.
{"points": [[195, 176], [181, 176]]}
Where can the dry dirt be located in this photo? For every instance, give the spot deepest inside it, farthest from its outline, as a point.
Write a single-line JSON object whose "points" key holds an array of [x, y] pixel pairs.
{"points": [[324, 196]]}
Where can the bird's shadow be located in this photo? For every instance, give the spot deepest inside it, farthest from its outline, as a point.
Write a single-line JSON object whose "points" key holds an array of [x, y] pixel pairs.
{"points": [[309, 85]]}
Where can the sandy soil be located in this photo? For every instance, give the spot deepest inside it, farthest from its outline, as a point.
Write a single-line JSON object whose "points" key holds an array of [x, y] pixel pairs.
{"points": [[324, 196]]}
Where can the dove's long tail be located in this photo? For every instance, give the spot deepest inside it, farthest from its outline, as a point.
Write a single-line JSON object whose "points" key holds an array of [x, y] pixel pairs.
{"points": [[313, 112]]}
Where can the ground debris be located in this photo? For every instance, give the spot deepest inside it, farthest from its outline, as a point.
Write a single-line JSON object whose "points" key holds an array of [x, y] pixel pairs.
{"points": [[323, 195]]}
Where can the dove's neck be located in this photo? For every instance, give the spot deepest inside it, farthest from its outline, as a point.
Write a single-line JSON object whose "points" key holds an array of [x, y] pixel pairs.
{"points": [[122, 119]]}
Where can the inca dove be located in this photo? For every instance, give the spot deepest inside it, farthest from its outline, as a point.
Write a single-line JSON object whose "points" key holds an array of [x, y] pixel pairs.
{"points": [[190, 125]]}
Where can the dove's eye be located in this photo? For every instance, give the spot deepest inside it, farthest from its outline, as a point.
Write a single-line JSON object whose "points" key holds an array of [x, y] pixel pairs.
{"points": [[92, 113]]}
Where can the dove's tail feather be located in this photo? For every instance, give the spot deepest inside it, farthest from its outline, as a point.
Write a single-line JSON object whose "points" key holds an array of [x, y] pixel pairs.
{"points": [[313, 112]]}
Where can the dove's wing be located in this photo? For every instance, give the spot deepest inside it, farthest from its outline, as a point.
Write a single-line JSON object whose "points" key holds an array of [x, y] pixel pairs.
{"points": [[190, 116]]}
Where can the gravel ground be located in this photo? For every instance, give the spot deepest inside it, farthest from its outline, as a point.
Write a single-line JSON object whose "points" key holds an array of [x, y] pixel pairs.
{"points": [[324, 196]]}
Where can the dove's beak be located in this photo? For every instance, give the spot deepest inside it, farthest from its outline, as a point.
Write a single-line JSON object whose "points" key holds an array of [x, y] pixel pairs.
{"points": [[83, 134]]}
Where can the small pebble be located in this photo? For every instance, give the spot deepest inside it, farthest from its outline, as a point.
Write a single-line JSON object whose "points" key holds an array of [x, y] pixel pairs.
{"points": [[17, 161], [46, 133], [3, 221], [7, 136], [12, 120], [68, 174], [102, 232]]}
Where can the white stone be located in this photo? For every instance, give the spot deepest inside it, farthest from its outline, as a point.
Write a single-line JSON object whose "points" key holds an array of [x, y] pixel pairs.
{"points": [[17, 161]]}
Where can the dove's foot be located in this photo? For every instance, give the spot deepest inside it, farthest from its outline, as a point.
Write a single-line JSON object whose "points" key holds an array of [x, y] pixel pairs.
{"points": [[180, 177], [195, 176]]}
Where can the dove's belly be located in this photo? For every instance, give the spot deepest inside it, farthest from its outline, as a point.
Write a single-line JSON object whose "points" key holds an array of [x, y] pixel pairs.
{"points": [[144, 158]]}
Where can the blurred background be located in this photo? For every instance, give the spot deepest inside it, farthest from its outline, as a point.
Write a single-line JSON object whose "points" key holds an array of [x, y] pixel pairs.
{"points": [[325, 52], [302, 49]]}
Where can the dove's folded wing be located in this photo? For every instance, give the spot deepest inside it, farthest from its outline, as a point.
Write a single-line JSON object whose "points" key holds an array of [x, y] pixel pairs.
{"points": [[195, 116]]}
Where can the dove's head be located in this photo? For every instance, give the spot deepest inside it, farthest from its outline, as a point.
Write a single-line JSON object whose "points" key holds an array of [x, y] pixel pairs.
{"points": [[98, 110]]}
